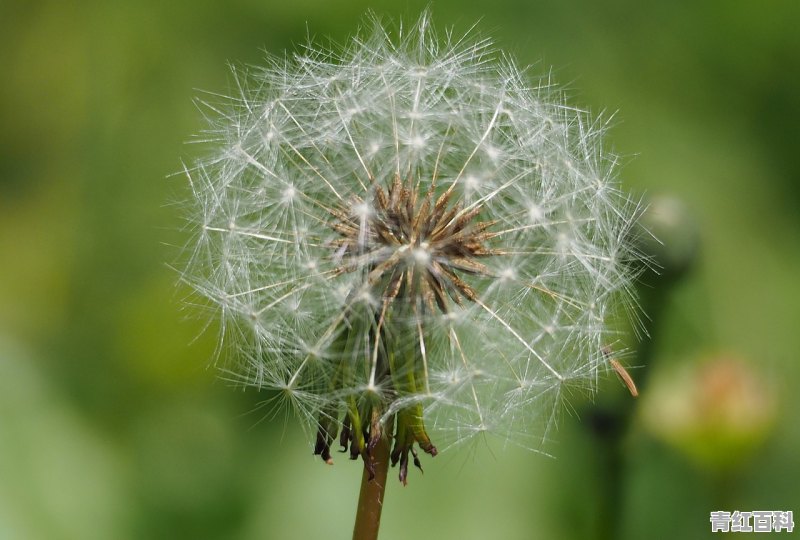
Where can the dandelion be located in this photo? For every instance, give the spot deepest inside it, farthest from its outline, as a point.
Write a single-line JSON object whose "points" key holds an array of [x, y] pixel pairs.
{"points": [[409, 242]]}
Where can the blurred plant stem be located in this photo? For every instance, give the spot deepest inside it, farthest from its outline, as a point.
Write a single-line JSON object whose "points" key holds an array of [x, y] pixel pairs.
{"points": [[370, 500], [668, 239]]}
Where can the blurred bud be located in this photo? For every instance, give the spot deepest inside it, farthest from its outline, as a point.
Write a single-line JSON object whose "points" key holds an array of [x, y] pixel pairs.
{"points": [[669, 237], [715, 412]]}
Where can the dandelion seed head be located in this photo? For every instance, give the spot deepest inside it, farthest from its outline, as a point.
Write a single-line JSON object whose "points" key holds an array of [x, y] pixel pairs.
{"points": [[410, 208]]}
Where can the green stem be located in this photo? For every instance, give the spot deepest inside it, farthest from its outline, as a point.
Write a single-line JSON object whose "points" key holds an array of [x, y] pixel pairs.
{"points": [[370, 500], [612, 475]]}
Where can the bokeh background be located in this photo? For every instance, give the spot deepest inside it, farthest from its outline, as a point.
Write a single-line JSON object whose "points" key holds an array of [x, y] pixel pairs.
{"points": [[113, 423]]}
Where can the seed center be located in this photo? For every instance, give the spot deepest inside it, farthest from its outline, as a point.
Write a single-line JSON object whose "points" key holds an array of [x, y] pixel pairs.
{"points": [[411, 247], [421, 256]]}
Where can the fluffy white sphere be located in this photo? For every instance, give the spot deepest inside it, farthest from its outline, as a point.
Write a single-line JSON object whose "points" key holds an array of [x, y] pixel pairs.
{"points": [[314, 278]]}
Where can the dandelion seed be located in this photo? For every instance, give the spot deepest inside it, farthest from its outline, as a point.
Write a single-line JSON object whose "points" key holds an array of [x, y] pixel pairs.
{"points": [[410, 242]]}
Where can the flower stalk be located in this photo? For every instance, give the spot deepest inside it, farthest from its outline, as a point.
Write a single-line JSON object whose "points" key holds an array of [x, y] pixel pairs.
{"points": [[373, 489]]}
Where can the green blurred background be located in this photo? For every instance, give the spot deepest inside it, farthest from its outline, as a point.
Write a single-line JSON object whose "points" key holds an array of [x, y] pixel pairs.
{"points": [[113, 424]]}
